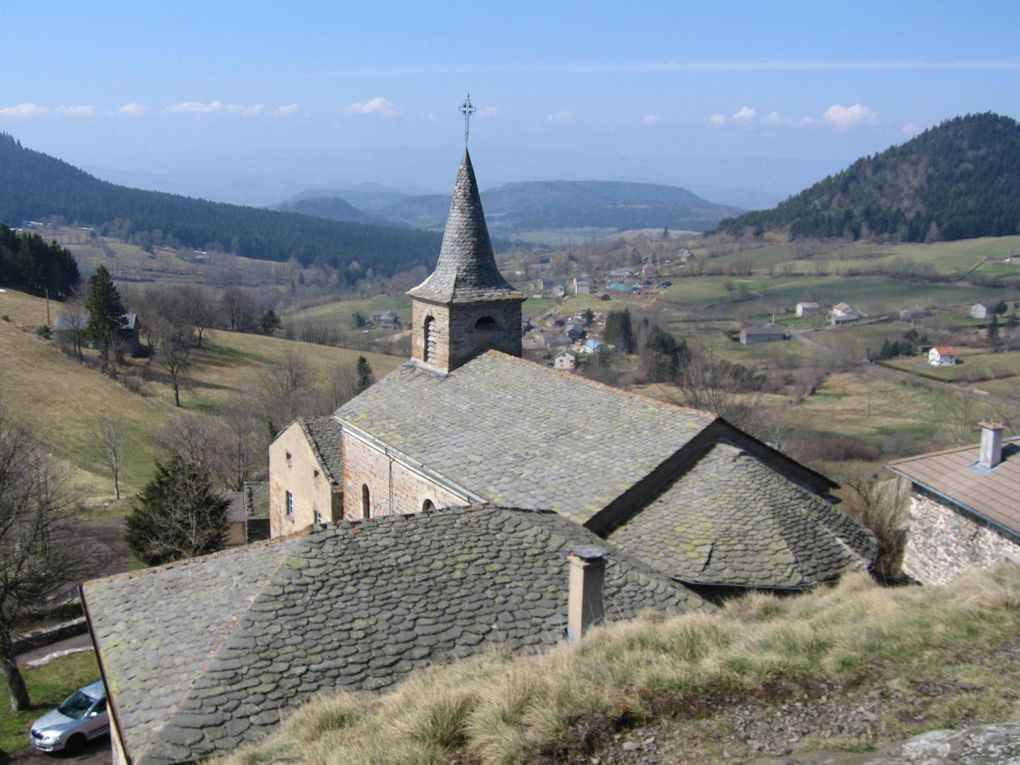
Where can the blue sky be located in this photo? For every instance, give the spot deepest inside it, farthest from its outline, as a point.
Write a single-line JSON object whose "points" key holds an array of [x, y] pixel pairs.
{"points": [[252, 101]]}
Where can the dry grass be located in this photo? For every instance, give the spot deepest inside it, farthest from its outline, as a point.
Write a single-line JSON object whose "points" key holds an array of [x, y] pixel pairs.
{"points": [[63, 399], [502, 709]]}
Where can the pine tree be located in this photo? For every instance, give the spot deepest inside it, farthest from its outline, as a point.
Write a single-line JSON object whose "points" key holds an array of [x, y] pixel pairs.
{"points": [[365, 375], [177, 515], [105, 309], [619, 330]]}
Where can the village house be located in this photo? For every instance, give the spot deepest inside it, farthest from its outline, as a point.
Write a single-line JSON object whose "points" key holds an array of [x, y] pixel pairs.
{"points": [[456, 519], [807, 309], [248, 513], [565, 360], [69, 325], [843, 313], [767, 334], [942, 356], [964, 509], [575, 331], [305, 488], [386, 320], [984, 309], [583, 285]]}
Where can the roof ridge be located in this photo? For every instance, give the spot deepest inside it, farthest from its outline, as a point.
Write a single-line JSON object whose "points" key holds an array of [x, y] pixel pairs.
{"points": [[952, 450]]}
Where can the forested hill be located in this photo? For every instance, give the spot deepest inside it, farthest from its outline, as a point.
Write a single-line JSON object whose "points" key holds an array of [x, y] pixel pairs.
{"points": [[35, 186], [958, 180], [333, 208], [530, 205]]}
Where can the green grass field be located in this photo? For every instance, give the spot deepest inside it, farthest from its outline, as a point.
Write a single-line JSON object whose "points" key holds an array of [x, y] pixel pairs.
{"points": [[341, 312], [47, 687], [975, 366]]}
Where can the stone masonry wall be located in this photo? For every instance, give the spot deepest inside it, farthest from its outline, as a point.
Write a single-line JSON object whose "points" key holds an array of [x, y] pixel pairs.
{"points": [[942, 544], [302, 476], [457, 339], [393, 487]]}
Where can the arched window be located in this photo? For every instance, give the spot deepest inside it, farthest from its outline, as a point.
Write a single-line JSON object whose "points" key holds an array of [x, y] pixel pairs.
{"points": [[427, 505], [486, 324], [429, 337], [366, 502]]}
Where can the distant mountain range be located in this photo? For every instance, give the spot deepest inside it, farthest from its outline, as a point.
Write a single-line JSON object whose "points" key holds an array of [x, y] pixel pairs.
{"points": [[519, 208], [958, 180], [35, 186]]}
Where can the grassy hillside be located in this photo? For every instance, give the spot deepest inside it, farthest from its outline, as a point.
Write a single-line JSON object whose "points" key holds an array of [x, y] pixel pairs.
{"points": [[916, 658], [64, 399], [957, 180]]}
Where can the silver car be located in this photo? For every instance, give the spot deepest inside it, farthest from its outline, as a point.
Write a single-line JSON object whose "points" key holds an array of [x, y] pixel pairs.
{"points": [[81, 718]]}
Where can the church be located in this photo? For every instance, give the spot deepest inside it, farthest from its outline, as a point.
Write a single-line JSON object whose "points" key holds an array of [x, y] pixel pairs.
{"points": [[468, 501], [467, 421]]}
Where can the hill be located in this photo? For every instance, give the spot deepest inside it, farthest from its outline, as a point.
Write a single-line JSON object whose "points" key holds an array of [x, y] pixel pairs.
{"points": [[958, 180], [364, 196], [65, 399], [333, 208], [517, 208], [36, 186]]}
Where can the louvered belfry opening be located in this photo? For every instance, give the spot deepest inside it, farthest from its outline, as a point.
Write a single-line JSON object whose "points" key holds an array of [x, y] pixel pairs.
{"points": [[430, 348]]}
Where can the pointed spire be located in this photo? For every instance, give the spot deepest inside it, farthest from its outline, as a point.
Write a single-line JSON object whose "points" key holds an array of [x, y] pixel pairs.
{"points": [[466, 270]]}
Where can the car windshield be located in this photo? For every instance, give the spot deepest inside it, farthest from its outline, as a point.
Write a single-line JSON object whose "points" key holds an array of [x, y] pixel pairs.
{"points": [[76, 705]]}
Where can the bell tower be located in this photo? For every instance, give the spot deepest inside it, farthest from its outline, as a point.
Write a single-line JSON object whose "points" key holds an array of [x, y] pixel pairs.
{"points": [[465, 307]]}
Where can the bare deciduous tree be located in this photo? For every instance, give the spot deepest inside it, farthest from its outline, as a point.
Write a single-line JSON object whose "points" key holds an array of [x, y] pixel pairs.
{"points": [[110, 443], [34, 515], [880, 506], [74, 319]]}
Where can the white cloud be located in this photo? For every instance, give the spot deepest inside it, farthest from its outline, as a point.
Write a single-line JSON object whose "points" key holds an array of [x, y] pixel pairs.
{"points": [[774, 118], [215, 107], [910, 129], [488, 111], [287, 109], [23, 110], [745, 113], [652, 119], [848, 117], [561, 116], [133, 109], [717, 119], [377, 105]]}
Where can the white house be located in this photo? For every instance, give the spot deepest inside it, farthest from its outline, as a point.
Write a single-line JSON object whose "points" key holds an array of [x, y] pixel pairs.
{"points": [[843, 313], [565, 359], [808, 309], [942, 356], [983, 309]]}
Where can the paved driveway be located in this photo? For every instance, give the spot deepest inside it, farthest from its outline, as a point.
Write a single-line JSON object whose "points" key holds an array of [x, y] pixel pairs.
{"points": [[96, 753]]}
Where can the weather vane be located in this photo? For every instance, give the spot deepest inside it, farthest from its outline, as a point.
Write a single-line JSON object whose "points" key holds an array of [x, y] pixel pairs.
{"points": [[467, 109]]}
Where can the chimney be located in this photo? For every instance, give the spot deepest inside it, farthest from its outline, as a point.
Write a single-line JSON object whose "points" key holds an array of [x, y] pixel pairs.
{"points": [[991, 444], [585, 607]]}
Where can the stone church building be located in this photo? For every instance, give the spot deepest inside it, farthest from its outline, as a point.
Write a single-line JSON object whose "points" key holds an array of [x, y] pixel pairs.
{"points": [[466, 421], [467, 501]]}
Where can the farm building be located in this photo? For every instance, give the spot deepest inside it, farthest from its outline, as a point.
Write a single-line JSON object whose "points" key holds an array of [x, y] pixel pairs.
{"points": [[583, 285], [985, 309], [964, 509], [942, 356], [808, 309], [767, 334]]}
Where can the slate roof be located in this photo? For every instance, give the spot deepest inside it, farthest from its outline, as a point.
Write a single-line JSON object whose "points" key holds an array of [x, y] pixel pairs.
{"points": [[324, 436], [732, 521], [504, 432], [770, 330], [236, 512], [466, 270], [258, 630], [256, 499], [955, 475]]}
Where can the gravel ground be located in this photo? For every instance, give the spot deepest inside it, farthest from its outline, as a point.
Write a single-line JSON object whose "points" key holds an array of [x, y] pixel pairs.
{"points": [[97, 752], [821, 723]]}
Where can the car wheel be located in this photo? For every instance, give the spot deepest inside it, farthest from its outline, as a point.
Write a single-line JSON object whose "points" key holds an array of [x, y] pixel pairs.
{"points": [[74, 744]]}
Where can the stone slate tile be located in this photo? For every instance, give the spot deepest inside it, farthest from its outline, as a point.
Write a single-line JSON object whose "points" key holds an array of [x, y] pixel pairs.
{"points": [[496, 414], [477, 577], [731, 520]]}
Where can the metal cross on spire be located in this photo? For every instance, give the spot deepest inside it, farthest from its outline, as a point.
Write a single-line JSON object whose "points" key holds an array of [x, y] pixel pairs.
{"points": [[467, 109]]}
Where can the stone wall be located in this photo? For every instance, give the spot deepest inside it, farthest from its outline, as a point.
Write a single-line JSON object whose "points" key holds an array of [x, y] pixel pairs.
{"points": [[458, 339], [293, 467], [394, 488], [942, 544]]}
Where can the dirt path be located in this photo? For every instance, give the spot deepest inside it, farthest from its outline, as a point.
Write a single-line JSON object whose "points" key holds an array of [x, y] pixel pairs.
{"points": [[98, 752]]}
